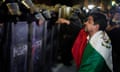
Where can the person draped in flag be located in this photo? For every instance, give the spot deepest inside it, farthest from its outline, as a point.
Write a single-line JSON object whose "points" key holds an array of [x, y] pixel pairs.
{"points": [[93, 52]]}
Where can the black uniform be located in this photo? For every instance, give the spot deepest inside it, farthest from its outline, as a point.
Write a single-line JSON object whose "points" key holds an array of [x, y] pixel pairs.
{"points": [[114, 35], [68, 34]]}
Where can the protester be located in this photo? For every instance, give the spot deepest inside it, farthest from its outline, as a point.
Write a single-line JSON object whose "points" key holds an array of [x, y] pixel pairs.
{"points": [[96, 55]]}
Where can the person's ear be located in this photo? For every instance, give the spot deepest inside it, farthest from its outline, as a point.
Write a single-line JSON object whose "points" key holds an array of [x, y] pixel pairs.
{"points": [[97, 26]]}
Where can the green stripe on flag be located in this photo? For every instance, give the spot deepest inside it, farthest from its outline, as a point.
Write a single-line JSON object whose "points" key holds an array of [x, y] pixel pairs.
{"points": [[92, 61]]}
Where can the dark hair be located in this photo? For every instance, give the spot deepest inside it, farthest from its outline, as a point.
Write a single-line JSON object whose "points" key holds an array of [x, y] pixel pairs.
{"points": [[100, 19]]}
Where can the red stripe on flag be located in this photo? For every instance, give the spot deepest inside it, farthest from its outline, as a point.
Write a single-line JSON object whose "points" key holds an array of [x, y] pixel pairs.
{"points": [[78, 47]]}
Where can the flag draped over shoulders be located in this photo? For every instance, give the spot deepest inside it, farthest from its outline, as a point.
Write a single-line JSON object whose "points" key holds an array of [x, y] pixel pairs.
{"points": [[97, 56], [78, 46]]}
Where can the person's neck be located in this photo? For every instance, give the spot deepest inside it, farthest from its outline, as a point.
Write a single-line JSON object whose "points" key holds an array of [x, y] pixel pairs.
{"points": [[92, 33]]}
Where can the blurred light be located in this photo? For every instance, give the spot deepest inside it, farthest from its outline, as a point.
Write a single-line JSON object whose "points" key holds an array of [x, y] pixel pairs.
{"points": [[91, 6], [84, 8], [25, 4], [113, 3], [87, 10], [3, 0], [99, 7]]}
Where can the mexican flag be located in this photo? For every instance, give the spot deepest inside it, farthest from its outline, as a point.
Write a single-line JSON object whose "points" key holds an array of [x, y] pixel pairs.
{"points": [[97, 55]]}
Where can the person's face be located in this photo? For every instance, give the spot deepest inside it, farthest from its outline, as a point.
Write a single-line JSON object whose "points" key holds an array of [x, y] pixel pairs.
{"points": [[117, 16], [89, 24]]}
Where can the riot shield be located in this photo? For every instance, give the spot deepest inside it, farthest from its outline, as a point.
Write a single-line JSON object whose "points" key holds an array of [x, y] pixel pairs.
{"points": [[19, 47]]}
